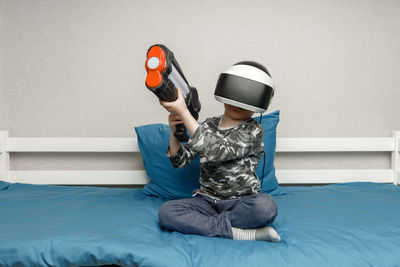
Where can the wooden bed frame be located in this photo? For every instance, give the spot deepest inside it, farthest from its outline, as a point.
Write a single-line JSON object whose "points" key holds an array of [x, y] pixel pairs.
{"points": [[139, 177]]}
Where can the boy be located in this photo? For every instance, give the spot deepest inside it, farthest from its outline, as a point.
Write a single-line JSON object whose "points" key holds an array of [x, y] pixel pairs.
{"points": [[229, 203]]}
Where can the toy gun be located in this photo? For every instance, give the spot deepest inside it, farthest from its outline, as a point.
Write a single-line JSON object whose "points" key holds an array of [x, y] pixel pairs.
{"points": [[163, 77]]}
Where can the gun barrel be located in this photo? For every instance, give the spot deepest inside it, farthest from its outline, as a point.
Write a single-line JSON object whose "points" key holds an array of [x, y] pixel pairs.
{"points": [[178, 81]]}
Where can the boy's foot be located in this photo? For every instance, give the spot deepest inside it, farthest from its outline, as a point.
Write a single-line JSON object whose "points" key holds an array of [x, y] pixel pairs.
{"points": [[266, 233]]}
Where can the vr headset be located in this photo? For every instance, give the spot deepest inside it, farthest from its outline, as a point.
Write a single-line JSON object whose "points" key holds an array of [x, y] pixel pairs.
{"points": [[164, 75], [246, 85]]}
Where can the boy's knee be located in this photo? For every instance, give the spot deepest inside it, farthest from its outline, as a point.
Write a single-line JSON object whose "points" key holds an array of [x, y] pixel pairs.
{"points": [[266, 208], [164, 214]]}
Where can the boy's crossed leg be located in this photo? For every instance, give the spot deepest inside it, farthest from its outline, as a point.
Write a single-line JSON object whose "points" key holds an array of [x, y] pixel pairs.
{"points": [[222, 218]]}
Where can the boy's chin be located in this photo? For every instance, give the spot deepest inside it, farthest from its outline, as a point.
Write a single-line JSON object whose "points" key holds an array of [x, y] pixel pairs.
{"points": [[241, 118], [237, 113]]}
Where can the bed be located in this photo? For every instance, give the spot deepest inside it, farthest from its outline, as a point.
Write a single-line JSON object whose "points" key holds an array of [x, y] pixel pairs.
{"points": [[355, 221]]}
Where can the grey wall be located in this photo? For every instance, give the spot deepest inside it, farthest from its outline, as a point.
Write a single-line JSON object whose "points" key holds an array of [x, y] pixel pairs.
{"points": [[76, 69], [2, 103]]}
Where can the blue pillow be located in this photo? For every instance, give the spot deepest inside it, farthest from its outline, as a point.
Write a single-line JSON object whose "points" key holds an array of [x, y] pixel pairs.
{"points": [[171, 183], [270, 183], [165, 180]]}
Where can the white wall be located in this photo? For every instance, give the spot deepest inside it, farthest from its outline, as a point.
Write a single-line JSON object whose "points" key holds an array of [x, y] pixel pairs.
{"points": [[76, 68]]}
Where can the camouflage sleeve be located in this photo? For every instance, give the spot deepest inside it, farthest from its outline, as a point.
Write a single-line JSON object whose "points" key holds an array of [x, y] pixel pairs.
{"points": [[255, 158], [213, 148], [182, 157]]}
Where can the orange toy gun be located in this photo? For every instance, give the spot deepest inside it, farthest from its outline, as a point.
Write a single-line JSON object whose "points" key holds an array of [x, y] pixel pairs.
{"points": [[164, 75]]}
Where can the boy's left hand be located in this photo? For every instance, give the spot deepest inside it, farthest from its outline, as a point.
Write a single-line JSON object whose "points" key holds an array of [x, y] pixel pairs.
{"points": [[178, 106]]}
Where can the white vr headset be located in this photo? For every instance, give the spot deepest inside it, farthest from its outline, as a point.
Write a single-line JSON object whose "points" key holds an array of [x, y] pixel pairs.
{"points": [[247, 85]]}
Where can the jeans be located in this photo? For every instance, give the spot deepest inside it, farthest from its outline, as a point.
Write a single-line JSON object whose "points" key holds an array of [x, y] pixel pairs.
{"points": [[203, 215]]}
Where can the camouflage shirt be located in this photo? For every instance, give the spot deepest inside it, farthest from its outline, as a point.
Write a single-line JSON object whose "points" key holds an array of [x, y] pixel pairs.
{"points": [[228, 157]]}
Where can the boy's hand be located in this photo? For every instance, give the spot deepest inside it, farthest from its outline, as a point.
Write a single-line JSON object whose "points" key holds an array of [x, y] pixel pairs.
{"points": [[174, 120], [178, 106], [174, 144]]}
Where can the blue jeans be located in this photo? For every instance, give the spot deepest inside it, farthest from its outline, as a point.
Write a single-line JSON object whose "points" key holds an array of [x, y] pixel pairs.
{"points": [[203, 215]]}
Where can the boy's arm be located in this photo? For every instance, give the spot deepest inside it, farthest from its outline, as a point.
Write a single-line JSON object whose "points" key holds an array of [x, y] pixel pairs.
{"points": [[174, 145], [179, 155], [246, 142], [213, 148], [190, 123]]}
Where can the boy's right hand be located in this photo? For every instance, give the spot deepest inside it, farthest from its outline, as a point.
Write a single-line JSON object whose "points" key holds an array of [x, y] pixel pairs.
{"points": [[174, 120], [176, 107]]}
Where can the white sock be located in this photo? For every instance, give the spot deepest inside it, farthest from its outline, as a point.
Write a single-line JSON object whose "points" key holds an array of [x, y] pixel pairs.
{"points": [[266, 233], [243, 234]]}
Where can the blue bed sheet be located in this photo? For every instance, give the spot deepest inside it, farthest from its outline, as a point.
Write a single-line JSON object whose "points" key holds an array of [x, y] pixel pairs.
{"points": [[350, 224]]}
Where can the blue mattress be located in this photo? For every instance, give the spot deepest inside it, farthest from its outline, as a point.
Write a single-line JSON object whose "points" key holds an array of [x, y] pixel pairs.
{"points": [[350, 224]]}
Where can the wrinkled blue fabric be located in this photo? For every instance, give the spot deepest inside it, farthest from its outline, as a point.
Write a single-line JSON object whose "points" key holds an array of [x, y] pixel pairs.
{"points": [[350, 224]]}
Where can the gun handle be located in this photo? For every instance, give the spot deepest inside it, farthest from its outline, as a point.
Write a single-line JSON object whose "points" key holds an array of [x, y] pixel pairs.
{"points": [[181, 133]]}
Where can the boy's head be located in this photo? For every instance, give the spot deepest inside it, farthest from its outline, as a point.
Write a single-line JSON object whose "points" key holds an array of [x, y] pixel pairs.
{"points": [[246, 85]]}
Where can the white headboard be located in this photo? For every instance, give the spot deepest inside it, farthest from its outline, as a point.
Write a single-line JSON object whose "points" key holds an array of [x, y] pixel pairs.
{"points": [[139, 177]]}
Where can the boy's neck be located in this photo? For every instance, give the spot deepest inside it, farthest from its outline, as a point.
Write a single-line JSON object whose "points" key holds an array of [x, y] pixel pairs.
{"points": [[228, 121]]}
